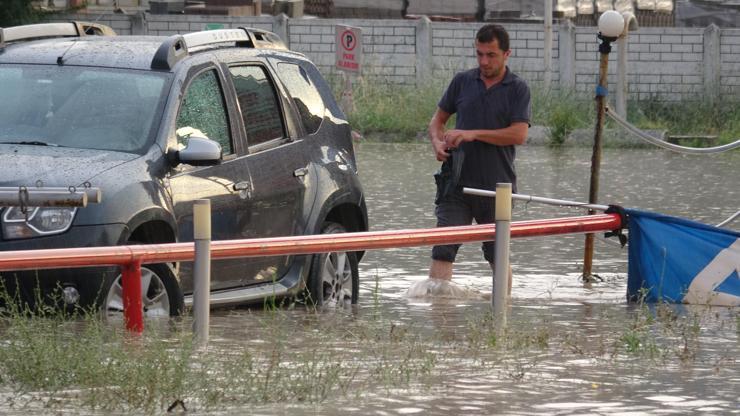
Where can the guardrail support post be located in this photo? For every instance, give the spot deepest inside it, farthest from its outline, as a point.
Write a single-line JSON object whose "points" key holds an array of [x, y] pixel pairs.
{"points": [[202, 270], [501, 244], [133, 310]]}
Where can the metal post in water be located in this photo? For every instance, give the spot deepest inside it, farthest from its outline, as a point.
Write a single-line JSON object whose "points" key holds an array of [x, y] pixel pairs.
{"points": [[133, 310], [202, 270], [611, 25], [501, 244]]}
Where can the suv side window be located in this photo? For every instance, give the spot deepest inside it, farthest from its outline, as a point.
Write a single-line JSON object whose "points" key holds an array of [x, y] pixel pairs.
{"points": [[305, 95], [258, 103], [203, 112]]}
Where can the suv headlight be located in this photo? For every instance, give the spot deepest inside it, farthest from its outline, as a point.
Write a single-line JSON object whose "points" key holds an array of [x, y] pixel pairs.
{"points": [[37, 222]]}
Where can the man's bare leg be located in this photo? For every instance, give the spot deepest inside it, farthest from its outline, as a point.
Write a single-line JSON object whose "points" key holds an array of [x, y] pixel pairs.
{"points": [[440, 269], [493, 269]]}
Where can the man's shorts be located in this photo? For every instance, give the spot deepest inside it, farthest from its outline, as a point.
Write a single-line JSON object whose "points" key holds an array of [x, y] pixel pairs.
{"points": [[457, 208]]}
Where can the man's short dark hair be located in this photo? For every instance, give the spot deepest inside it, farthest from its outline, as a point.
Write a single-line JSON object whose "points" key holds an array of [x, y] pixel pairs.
{"points": [[489, 32]]}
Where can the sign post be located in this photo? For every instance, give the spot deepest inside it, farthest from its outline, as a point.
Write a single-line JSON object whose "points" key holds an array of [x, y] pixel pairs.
{"points": [[349, 60]]}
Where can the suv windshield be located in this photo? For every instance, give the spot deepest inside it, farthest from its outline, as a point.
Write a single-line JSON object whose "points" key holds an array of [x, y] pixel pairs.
{"points": [[87, 108]]}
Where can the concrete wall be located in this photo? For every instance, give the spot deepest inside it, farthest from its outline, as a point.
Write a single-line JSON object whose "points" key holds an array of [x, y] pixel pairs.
{"points": [[664, 63]]}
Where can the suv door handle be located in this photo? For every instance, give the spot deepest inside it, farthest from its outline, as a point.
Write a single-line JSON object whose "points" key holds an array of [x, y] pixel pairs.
{"points": [[244, 188], [300, 172]]}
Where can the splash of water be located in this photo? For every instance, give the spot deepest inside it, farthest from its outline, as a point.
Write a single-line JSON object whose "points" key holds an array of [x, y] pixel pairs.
{"points": [[443, 289]]}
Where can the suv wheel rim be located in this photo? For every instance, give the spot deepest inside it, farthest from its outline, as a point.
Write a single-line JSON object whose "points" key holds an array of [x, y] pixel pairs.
{"points": [[336, 276], [154, 296]]}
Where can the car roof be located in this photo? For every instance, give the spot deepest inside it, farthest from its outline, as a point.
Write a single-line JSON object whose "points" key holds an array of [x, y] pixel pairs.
{"points": [[137, 52], [132, 52]]}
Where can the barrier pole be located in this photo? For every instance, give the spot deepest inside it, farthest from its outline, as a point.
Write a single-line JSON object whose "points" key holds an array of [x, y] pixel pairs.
{"points": [[202, 270], [501, 245], [133, 311]]}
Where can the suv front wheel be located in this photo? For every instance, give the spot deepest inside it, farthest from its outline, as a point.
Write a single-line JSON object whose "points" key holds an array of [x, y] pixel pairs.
{"points": [[334, 279]]}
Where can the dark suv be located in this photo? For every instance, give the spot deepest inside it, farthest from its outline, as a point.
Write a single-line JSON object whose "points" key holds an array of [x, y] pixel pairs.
{"points": [[158, 122]]}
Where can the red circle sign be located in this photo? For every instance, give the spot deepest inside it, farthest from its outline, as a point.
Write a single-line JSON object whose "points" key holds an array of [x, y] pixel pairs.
{"points": [[348, 39]]}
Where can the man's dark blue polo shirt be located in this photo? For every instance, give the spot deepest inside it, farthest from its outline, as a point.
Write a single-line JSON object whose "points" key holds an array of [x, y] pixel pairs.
{"points": [[478, 108]]}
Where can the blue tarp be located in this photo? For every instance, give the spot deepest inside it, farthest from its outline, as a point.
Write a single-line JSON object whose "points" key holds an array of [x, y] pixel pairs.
{"points": [[677, 260]]}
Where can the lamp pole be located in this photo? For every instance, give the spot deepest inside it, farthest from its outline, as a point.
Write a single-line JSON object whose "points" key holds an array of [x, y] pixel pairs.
{"points": [[611, 25]]}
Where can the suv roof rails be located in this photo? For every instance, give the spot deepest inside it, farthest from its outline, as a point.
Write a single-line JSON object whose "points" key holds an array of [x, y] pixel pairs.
{"points": [[53, 30], [177, 47]]}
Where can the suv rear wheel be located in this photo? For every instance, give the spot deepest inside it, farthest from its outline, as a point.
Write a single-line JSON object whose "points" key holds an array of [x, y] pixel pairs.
{"points": [[334, 279], [160, 293]]}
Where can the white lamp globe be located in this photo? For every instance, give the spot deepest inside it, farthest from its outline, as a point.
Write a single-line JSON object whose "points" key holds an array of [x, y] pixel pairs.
{"points": [[611, 24]]}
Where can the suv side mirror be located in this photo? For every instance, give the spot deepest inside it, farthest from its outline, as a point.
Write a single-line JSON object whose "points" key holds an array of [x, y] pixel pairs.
{"points": [[199, 151]]}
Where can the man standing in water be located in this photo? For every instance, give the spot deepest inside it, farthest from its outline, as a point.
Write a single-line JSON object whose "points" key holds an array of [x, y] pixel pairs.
{"points": [[493, 109]]}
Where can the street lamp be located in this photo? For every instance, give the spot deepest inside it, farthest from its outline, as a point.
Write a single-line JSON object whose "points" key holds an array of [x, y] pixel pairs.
{"points": [[611, 25]]}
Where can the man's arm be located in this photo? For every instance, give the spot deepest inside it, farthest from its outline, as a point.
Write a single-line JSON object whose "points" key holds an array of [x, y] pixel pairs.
{"points": [[516, 134], [437, 134]]}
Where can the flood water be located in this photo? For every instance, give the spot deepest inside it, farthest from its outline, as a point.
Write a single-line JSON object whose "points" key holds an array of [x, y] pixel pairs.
{"points": [[397, 179], [566, 362]]}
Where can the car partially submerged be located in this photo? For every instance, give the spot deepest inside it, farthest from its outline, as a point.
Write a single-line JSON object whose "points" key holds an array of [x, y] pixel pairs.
{"points": [[156, 123]]}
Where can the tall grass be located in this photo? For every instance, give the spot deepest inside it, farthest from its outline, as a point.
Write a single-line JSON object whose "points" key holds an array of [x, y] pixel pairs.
{"points": [[402, 111], [392, 111], [54, 360], [293, 357], [701, 117]]}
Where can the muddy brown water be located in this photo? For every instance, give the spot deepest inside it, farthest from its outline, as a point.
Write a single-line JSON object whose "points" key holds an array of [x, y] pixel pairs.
{"points": [[578, 373], [399, 188]]}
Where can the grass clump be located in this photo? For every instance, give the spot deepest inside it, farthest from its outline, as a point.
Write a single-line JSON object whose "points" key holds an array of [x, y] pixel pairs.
{"points": [[562, 112]]}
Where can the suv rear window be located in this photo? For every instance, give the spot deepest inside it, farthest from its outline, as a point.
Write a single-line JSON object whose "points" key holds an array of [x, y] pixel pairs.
{"points": [[258, 103], [305, 95], [87, 108]]}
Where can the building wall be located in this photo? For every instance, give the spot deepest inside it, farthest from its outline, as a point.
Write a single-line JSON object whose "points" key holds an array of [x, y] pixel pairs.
{"points": [[666, 62], [663, 63]]}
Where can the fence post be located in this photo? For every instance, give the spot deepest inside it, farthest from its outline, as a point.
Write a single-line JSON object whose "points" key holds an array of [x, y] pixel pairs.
{"points": [[138, 24], [133, 310], [424, 61], [630, 24], [501, 249], [567, 54], [547, 52], [280, 27], [622, 87], [711, 62], [202, 270]]}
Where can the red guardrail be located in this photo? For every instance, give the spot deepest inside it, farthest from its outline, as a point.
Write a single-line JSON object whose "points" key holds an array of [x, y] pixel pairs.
{"points": [[130, 258]]}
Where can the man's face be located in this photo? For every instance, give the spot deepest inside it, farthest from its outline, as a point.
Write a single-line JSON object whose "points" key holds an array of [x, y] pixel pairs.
{"points": [[491, 59]]}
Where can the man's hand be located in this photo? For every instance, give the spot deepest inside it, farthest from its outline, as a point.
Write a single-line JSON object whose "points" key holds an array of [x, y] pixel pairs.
{"points": [[454, 138], [437, 132], [440, 150]]}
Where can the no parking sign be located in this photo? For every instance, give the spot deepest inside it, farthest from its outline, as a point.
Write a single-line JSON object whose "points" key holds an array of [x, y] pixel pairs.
{"points": [[349, 48]]}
